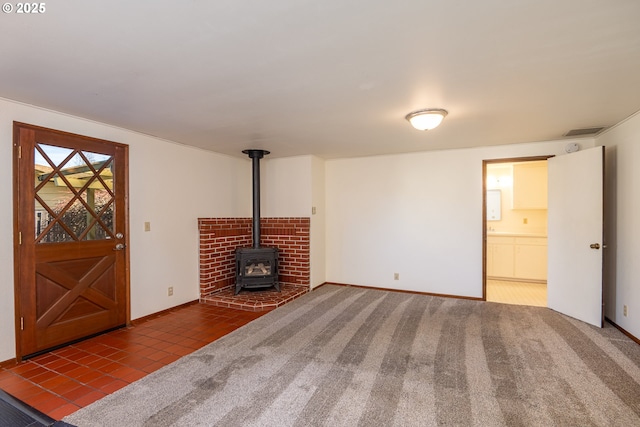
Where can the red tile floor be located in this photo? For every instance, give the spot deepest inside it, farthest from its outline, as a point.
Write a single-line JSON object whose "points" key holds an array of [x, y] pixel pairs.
{"points": [[62, 381]]}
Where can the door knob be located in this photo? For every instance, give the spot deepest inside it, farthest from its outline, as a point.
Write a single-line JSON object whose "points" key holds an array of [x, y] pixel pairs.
{"points": [[119, 247], [595, 246]]}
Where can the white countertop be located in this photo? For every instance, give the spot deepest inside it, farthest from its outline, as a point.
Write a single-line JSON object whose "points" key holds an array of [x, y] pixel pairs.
{"points": [[510, 234]]}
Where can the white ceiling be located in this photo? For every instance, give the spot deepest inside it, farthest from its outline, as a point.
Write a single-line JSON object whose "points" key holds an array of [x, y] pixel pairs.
{"points": [[330, 78]]}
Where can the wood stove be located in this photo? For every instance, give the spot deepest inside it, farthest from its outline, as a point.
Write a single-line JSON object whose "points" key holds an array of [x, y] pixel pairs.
{"points": [[257, 266]]}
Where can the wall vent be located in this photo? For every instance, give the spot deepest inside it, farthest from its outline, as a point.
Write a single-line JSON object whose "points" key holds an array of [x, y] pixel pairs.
{"points": [[583, 132]]}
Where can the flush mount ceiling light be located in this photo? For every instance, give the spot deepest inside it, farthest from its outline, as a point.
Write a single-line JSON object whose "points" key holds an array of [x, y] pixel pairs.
{"points": [[426, 119]]}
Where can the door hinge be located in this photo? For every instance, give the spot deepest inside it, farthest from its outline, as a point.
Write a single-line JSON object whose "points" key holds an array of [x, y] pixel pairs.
{"points": [[22, 323], [19, 237], [19, 151]]}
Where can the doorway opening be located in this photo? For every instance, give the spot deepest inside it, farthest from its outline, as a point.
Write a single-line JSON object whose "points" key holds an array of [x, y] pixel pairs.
{"points": [[515, 231]]}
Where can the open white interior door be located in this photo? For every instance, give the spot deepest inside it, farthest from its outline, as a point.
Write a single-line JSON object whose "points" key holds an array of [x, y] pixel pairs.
{"points": [[575, 235]]}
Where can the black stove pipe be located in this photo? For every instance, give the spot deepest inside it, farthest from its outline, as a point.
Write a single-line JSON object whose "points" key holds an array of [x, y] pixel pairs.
{"points": [[255, 156]]}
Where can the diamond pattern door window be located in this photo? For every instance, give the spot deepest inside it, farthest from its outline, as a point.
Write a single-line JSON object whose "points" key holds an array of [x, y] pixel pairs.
{"points": [[74, 195]]}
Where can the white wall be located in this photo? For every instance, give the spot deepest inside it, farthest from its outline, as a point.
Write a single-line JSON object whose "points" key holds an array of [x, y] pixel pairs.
{"points": [[318, 223], [171, 185], [290, 187], [418, 214], [622, 210], [285, 186]]}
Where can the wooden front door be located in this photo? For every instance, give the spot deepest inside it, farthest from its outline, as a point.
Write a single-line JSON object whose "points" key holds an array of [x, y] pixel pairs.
{"points": [[71, 224]]}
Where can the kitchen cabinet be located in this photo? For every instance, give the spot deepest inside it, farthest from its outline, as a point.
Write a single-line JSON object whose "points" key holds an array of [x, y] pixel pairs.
{"points": [[530, 185], [500, 256], [517, 258], [530, 258]]}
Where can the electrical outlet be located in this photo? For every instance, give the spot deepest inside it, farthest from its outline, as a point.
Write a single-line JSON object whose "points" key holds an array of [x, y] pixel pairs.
{"points": [[170, 291], [396, 276], [147, 226], [525, 220], [624, 310], [313, 210]]}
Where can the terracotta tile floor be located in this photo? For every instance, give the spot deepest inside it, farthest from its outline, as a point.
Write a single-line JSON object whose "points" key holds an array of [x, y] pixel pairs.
{"points": [[65, 380]]}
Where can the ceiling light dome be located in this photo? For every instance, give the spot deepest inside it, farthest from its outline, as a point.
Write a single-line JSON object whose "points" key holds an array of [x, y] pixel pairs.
{"points": [[426, 119]]}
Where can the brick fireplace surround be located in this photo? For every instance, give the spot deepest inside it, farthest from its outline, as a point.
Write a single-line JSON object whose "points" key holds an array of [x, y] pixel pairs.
{"points": [[219, 238]]}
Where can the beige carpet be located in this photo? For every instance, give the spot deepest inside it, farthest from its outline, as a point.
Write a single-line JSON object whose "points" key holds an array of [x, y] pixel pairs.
{"points": [[343, 356]]}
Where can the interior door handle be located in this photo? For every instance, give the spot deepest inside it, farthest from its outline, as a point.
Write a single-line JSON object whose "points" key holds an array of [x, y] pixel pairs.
{"points": [[595, 246], [119, 247]]}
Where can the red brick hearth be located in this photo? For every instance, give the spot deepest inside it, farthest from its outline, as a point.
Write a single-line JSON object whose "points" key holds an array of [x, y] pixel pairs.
{"points": [[219, 238], [255, 300]]}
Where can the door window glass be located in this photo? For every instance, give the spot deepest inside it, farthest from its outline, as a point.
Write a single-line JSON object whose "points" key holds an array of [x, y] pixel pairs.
{"points": [[74, 195]]}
